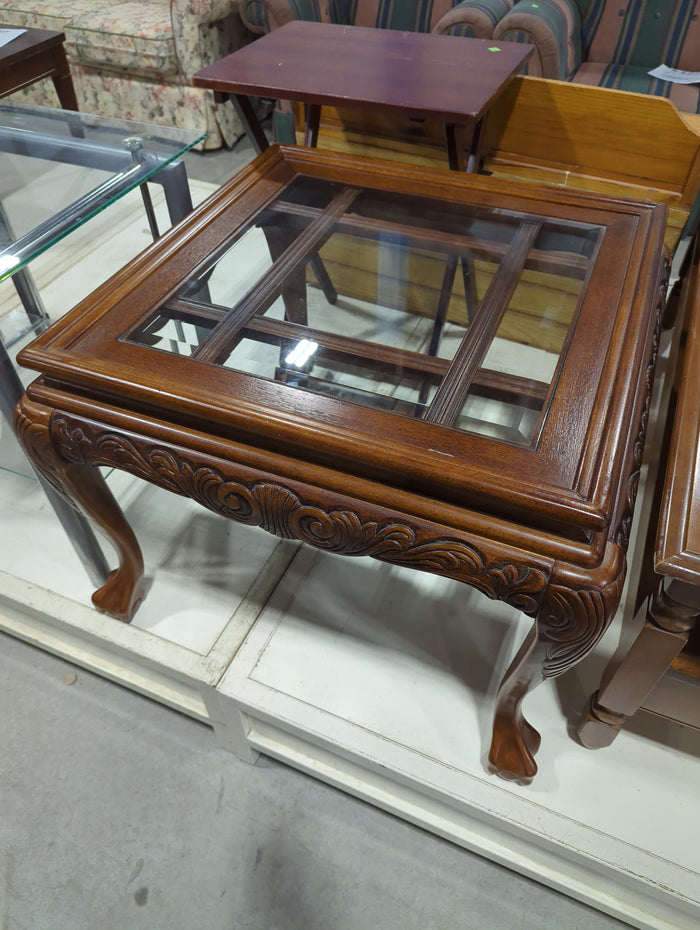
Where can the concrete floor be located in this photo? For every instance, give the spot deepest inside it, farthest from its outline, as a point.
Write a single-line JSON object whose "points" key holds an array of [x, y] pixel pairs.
{"points": [[120, 813]]}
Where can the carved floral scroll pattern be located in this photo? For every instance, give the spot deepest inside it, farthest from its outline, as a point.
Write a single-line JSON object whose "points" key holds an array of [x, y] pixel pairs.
{"points": [[572, 621], [33, 436], [280, 511]]}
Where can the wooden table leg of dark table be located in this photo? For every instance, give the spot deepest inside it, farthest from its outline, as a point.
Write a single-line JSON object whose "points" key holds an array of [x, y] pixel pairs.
{"points": [[248, 117], [455, 143], [62, 80], [313, 121]]}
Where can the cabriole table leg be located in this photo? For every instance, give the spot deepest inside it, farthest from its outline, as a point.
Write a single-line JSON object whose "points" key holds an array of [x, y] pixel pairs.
{"points": [[575, 612], [84, 488]]}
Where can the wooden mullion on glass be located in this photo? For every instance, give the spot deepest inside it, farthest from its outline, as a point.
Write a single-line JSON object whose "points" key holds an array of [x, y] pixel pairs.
{"points": [[265, 292], [449, 400]]}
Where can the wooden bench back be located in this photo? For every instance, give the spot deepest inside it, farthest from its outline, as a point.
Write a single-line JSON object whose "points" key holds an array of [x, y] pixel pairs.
{"points": [[558, 133]]}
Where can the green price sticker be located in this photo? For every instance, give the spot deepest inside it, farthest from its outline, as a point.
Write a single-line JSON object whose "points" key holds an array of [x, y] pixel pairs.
{"points": [[494, 48]]}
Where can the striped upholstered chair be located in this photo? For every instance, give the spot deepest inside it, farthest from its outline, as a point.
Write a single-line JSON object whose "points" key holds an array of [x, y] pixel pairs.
{"points": [[471, 18], [610, 43], [475, 18]]}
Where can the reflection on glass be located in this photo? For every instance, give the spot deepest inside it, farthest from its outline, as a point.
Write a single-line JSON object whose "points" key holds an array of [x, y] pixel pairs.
{"points": [[440, 311]]}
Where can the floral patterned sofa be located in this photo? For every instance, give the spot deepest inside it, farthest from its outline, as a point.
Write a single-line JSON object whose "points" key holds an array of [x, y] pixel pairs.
{"points": [[135, 58]]}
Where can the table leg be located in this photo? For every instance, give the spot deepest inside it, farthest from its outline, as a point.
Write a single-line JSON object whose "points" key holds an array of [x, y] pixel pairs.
{"points": [[178, 198], [76, 526], [573, 616], [83, 486], [454, 143], [63, 81], [313, 121], [456, 146], [670, 615], [474, 156], [22, 280], [250, 121]]}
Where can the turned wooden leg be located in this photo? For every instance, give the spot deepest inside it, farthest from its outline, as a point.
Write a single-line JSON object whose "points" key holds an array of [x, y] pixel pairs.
{"points": [[85, 489], [670, 615], [576, 609]]}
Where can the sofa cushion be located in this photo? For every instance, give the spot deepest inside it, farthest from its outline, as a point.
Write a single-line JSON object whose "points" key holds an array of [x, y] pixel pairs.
{"points": [[643, 33], [48, 14], [133, 36], [634, 78]]}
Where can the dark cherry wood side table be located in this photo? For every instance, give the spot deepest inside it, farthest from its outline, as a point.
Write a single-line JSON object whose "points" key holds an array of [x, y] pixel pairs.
{"points": [[447, 78], [639, 678], [33, 56], [502, 451]]}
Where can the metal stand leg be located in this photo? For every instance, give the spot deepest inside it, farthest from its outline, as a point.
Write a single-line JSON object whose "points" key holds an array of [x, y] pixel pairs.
{"points": [[173, 179], [76, 526], [22, 280]]}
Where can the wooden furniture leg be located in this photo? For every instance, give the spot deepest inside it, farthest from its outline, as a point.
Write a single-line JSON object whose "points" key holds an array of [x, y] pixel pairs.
{"points": [[670, 615], [575, 613], [62, 80], [313, 120], [84, 487]]}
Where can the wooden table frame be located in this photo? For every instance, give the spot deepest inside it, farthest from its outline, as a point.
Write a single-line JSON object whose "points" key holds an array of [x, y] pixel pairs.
{"points": [[448, 78], [35, 55], [543, 527]]}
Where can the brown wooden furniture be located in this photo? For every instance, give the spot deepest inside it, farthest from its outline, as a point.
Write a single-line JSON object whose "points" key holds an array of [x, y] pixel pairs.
{"points": [[638, 677], [450, 79], [33, 56], [507, 460], [551, 132], [563, 135]]}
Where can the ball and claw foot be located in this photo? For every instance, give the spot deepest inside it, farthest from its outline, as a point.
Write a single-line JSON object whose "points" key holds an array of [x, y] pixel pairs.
{"points": [[119, 597], [513, 749]]}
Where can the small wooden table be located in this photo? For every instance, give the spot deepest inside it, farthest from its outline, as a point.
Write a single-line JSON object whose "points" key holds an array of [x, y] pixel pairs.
{"points": [[33, 56], [638, 678], [447, 78], [502, 451]]}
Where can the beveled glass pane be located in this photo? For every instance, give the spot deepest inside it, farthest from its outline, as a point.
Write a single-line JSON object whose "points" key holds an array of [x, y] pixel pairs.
{"points": [[430, 309]]}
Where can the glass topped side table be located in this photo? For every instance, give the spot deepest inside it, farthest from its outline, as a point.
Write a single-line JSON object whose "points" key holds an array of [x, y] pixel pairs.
{"points": [[101, 160], [499, 444]]}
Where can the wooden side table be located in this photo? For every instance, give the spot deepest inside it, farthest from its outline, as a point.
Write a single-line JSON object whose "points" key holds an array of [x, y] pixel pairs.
{"points": [[504, 453], [33, 56], [448, 78], [671, 613]]}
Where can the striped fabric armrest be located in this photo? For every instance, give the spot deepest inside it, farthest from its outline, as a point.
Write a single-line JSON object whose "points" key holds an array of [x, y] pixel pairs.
{"points": [[473, 18], [553, 27], [262, 16]]}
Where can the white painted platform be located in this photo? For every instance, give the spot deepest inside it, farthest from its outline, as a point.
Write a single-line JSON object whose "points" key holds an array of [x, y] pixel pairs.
{"points": [[373, 678]]}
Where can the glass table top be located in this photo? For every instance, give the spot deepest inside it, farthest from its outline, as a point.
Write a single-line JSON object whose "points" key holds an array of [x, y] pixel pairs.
{"points": [[321, 291], [59, 168]]}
